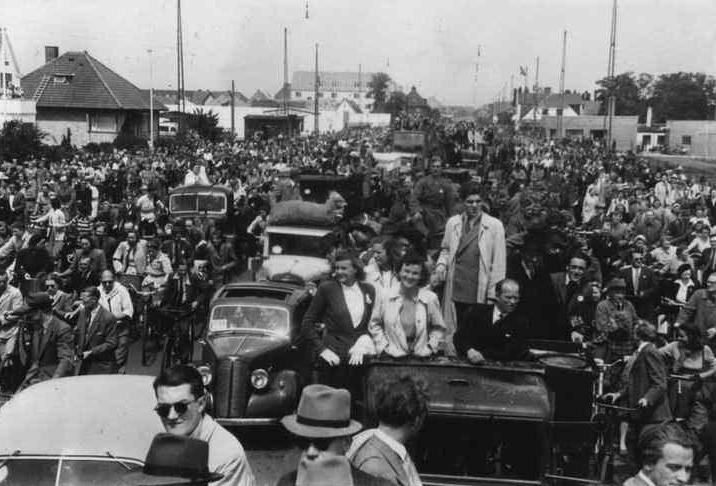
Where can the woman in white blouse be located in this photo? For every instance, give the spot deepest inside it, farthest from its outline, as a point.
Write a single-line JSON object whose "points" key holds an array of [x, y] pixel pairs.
{"points": [[407, 320]]}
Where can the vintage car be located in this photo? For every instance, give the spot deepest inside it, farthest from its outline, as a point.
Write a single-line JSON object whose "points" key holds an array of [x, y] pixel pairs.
{"points": [[296, 250], [483, 419], [248, 357], [77, 431]]}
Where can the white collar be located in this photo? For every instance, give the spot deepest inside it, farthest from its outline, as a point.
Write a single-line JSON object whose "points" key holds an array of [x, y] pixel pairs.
{"points": [[497, 314], [645, 478], [642, 346]]}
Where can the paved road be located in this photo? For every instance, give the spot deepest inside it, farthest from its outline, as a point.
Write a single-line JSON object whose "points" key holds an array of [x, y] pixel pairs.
{"points": [[270, 450]]}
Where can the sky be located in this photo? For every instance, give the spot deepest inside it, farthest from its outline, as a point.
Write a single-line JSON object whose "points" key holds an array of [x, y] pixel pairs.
{"points": [[430, 44]]}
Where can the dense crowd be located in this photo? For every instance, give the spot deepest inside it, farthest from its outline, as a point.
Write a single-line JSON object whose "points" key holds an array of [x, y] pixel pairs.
{"points": [[542, 241]]}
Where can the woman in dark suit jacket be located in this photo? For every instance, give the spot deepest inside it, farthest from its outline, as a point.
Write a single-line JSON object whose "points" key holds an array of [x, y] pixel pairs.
{"points": [[678, 292], [344, 306]]}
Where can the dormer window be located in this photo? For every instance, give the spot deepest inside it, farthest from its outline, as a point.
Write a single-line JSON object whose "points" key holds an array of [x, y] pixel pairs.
{"points": [[61, 78]]}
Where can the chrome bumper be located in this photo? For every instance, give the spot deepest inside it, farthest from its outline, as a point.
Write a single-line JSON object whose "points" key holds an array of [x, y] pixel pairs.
{"points": [[247, 422]]}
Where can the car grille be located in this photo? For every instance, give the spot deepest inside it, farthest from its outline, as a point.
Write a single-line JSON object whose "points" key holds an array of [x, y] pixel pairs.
{"points": [[231, 387]]}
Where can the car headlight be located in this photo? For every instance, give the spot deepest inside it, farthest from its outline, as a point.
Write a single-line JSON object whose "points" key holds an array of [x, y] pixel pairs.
{"points": [[205, 373], [259, 379], [276, 250]]}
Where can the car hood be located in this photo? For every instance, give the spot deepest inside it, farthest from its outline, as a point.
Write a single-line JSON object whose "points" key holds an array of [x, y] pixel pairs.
{"points": [[308, 268], [245, 345]]}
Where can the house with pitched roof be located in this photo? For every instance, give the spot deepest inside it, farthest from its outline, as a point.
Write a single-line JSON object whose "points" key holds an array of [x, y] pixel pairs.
{"points": [[336, 85], [79, 98]]}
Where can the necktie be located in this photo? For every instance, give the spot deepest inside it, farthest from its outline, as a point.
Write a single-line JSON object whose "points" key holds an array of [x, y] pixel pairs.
{"points": [[109, 303]]}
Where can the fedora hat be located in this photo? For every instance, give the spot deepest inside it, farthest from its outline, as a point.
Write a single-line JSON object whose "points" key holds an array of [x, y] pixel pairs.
{"points": [[174, 460], [323, 412]]}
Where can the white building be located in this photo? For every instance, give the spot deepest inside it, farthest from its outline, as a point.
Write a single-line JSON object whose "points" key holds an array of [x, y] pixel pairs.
{"points": [[13, 106], [333, 85], [553, 105]]}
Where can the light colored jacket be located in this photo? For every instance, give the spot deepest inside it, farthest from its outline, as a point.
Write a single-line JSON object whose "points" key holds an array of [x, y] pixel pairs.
{"points": [[387, 331]]}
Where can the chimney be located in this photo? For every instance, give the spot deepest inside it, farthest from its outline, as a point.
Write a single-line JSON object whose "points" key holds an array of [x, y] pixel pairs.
{"points": [[649, 115], [51, 53]]}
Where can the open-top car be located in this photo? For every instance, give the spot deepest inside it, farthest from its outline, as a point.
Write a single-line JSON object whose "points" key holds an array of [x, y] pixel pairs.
{"points": [[248, 355], [296, 250], [77, 431]]}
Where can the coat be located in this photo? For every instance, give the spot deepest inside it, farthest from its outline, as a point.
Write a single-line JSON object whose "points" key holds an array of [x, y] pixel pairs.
{"points": [[387, 331], [100, 337], [557, 307], [491, 238], [359, 479], [375, 457], [505, 340], [328, 306], [61, 302], [55, 356], [646, 377]]}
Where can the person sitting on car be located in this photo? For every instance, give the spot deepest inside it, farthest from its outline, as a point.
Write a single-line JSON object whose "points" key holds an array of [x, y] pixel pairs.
{"points": [[181, 405], [496, 332], [407, 320], [401, 405]]}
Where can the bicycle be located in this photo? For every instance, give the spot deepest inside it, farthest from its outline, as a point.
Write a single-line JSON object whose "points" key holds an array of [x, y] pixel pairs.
{"points": [[179, 338], [149, 334]]}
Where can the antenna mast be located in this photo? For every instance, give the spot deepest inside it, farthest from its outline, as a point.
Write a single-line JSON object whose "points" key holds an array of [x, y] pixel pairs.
{"points": [[315, 102], [561, 86], [610, 74]]}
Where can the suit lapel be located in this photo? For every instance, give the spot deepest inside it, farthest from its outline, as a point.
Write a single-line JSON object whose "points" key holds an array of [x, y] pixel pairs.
{"points": [[392, 458], [46, 338], [474, 232]]}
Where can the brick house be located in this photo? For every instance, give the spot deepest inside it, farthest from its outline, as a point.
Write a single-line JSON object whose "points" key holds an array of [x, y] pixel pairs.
{"points": [[79, 97]]}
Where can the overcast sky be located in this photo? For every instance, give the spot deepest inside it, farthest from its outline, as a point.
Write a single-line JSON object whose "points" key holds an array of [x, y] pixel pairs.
{"points": [[431, 44]]}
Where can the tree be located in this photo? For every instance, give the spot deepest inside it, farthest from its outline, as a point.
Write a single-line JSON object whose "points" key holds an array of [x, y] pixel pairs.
{"points": [[378, 89], [205, 124], [20, 140], [683, 96], [626, 94], [397, 103]]}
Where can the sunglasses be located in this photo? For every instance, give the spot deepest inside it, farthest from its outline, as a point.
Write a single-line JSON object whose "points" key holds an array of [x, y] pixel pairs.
{"points": [[164, 409], [305, 442], [108, 282]]}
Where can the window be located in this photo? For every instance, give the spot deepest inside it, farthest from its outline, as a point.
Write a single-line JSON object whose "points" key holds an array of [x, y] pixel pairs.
{"points": [[545, 111], [334, 95], [297, 94], [560, 111], [61, 79], [356, 95], [320, 95], [686, 140], [103, 123]]}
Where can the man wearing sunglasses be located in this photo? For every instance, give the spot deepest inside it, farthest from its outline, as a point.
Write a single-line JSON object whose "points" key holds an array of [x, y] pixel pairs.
{"points": [[323, 428], [181, 403]]}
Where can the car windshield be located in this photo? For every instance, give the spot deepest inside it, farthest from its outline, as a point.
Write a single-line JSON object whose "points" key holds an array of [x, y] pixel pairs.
{"points": [[28, 471], [197, 202], [302, 245], [249, 316]]}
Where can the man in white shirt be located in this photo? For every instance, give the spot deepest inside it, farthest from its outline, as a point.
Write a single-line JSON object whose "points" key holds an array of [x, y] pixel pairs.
{"points": [[115, 297]]}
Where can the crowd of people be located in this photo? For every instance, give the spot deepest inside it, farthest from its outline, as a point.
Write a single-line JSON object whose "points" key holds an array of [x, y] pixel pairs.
{"points": [[562, 241]]}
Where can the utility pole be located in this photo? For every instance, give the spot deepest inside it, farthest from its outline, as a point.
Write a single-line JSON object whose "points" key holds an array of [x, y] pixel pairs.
{"points": [[286, 92], [151, 102], [560, 115], [315, 101], [181, 101], [477, 72], [535, 89], [610, 74], [233, 108]]}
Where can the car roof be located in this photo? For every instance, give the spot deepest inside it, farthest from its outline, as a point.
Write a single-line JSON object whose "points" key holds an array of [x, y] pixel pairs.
{"points": [[299, 230], [266, 292], [84, 415]]}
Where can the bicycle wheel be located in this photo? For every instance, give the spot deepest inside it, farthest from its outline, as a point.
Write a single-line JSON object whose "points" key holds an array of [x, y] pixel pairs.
{"points": [[170, 353]]}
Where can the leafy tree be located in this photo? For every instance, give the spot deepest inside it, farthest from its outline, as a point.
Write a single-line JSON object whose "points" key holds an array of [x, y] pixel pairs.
{"points": [[626, 94], [20, 140], [378, 90], [205, 124], [683, 96], [397, 103]]}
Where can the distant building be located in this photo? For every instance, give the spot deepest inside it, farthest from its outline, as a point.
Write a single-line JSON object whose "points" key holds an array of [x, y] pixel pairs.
{"points": [[334, 85], [693, 137], [14, 105], [573, 104], [80, 98], [624, 128]]}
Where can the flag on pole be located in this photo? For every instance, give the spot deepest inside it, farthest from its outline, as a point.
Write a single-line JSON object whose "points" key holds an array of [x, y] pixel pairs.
{"points": [[523, 70]]}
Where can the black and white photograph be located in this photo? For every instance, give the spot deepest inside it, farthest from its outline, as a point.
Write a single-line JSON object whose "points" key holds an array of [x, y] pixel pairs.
{"points": [[358, 243]]}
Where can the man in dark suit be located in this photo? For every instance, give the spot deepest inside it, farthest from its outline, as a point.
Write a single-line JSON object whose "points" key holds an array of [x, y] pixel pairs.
{"points": [[83, 276], [642, 285], [96, 335], [495, 332], [644, 389], [561, 297], [46, 343]]}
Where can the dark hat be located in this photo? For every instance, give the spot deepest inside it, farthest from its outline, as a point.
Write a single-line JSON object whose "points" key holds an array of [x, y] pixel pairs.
{"points": [[37, 300], [323, 412], [173, 460], [616, 284]]}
